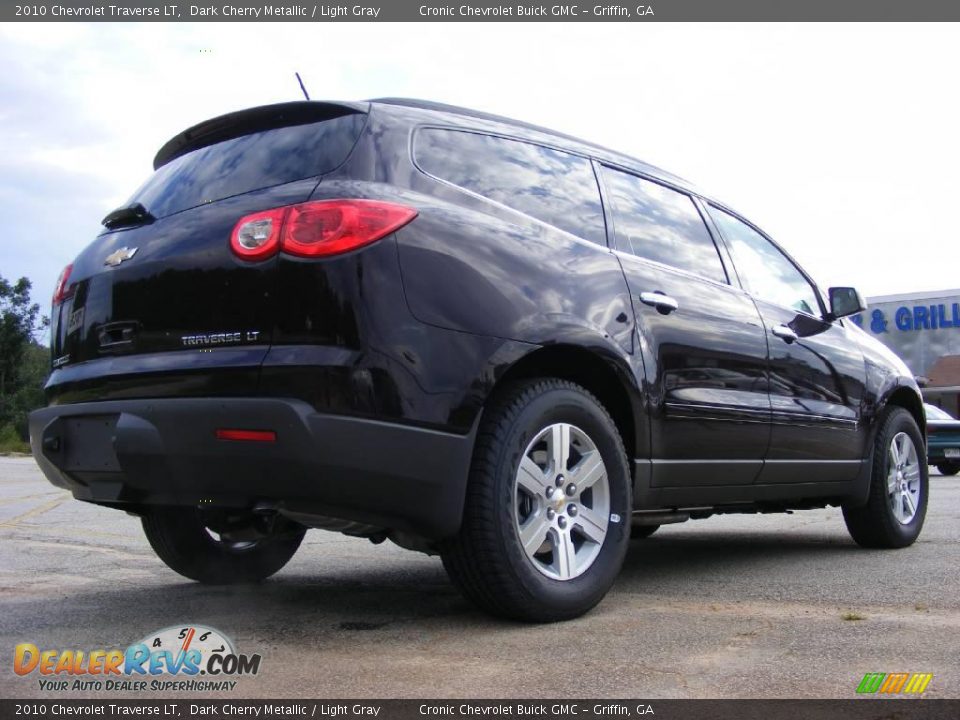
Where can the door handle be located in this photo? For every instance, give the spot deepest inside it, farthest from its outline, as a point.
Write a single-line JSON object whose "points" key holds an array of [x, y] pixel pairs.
{"points": [[784, 333], [663, 303]]}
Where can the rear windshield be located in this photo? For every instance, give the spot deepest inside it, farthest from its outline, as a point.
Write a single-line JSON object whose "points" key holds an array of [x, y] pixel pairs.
{"points": [[250, 162]]}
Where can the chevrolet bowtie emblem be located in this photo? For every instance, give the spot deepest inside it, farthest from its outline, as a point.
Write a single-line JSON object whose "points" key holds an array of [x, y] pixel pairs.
{"points": [[118, 256]]}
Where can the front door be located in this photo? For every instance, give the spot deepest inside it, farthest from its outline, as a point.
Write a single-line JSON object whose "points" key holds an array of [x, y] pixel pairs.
{"points": [[817, 371]]}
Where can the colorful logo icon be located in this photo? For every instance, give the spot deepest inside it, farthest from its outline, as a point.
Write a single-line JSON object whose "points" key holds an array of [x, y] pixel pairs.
{"points": [[894, 683], [180, 650]]}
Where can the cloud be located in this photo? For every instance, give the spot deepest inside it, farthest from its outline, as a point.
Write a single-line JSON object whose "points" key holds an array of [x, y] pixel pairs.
{"points": [[839, 140]]}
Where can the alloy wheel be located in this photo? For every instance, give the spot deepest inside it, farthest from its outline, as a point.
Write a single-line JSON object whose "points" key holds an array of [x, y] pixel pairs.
{"points": [[562, 501], [903, 478]]}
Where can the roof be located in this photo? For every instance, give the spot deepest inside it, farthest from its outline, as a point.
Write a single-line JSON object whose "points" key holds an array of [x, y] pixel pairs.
{"points": [[945, 372]]}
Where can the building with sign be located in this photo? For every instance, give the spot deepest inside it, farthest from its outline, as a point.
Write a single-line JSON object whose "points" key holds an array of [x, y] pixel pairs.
{"points": [[923, 329]]}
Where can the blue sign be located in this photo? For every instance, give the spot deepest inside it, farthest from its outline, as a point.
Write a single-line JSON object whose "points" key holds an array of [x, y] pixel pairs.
{"points": [[917, 317]]}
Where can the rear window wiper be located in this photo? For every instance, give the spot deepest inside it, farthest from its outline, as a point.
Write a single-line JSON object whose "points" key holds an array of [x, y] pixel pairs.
{"points": [[129, 216]]}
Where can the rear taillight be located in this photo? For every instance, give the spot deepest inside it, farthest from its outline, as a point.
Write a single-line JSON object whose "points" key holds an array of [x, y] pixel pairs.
{"points": [[317, 229], [63, 289]]}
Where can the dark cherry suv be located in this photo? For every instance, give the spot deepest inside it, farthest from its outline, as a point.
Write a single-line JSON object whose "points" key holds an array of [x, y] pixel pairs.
{"points": [[472, 336]]}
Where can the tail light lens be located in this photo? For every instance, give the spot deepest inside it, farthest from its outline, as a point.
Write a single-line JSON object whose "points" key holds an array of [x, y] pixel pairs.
{"points": [[63, 288], [257, 236], [317, 229]]}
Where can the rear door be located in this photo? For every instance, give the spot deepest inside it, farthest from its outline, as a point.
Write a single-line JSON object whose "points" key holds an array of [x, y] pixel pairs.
{"points": [[817, 372], [704, 347]]}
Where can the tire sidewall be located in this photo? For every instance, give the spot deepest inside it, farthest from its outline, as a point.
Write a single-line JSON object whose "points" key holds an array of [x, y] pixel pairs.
{"points": [[562, 405]]}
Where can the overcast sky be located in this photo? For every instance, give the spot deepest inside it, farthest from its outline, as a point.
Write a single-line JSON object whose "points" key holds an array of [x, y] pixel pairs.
{"points": [[839, 140]]}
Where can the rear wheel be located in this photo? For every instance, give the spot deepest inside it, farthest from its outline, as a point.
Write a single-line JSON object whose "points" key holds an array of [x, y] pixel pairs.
{"points": [[948, 468], [546, 521], [219, 548], [897, 505]]}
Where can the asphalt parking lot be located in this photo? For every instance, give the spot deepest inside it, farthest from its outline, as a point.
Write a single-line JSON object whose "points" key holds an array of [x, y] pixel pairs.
{"points": [[733, 606]]}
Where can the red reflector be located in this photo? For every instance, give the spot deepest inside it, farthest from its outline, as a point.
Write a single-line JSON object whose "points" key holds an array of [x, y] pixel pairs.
{"points": [[63, 288], [317, 229], [247, 435]]}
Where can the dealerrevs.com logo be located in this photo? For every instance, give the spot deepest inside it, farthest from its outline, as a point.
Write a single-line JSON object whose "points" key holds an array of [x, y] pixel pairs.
{"points": [[171, 659]]}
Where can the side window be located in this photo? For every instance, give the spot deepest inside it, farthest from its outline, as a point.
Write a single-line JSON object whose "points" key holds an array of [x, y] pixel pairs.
{"points": [[768, 273], [552, 186], [657, 223]]}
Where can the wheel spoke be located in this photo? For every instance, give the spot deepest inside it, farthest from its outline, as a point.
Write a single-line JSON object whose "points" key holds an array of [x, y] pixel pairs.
{"points": [[591, 524], [898, 506], [911, 473], [560, 447], [588, 471], [911, 508], [564, 554], [894, 454], [531, 478], [533, 532]]}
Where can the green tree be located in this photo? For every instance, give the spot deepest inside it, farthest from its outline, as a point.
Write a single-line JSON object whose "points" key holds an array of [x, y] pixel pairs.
{"points": [[23, 361]]}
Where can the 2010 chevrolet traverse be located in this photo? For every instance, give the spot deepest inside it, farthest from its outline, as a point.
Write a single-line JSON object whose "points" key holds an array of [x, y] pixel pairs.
{"points": [[472, 336]]}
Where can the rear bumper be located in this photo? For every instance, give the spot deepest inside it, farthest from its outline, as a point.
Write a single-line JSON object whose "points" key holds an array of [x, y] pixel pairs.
{"points": [[136, 453]]}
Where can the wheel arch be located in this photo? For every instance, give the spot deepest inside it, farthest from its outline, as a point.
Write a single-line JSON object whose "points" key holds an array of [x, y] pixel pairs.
{"points": [[604, 374], [910, 400]]}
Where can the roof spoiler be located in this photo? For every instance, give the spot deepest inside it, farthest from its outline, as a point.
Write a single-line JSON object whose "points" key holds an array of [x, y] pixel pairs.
{"points": [[252, 120]]}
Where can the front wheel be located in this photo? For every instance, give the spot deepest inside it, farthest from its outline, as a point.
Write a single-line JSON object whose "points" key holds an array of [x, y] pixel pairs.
{"points": [[948, 468], [897, 504], [219, 548], [546, 522]]}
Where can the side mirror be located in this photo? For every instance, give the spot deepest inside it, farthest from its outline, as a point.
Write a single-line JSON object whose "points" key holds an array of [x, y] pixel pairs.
{"points": [[845, 301]]}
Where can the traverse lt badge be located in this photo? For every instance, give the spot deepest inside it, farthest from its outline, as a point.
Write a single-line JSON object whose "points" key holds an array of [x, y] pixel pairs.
{"points": [[118, 256]]}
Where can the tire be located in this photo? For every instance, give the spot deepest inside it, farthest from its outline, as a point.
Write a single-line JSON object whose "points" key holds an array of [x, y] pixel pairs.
{"points": [[948, 468], [886, 521], [639, 532], [179, 536], [558, 579]]}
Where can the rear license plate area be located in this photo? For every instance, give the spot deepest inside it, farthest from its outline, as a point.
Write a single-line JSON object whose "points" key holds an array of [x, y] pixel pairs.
{"points": [[88, 444]]}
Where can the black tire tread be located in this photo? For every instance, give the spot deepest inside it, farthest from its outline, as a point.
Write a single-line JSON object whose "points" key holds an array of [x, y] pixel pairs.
{"points": [[873, 525], [182, 544]]}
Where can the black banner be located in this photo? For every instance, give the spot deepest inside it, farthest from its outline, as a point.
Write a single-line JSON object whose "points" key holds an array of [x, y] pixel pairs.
{"points": [[854, 709], [480, 11]]}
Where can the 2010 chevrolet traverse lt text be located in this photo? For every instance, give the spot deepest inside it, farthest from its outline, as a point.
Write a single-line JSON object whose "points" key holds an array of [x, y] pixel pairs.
{"points": [[469, 335]]}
